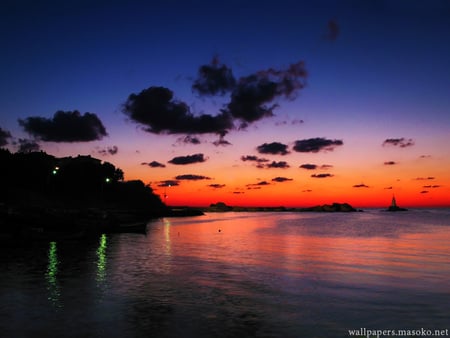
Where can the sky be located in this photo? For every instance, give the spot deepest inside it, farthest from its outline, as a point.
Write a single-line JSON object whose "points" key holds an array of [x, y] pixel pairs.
{"points": [[268, 103]]}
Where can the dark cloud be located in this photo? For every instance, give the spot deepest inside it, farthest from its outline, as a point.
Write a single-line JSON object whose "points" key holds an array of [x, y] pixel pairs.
{"points": [[308, 166], [257, 185], [280, 164], [154, 164], [388, 188], [293, 122], [252, 94], [390, 163], [281, 179], [274, 148], [109, 150], [322, 175], [189, 139], [238, 192], [424, 178], [189, 159], [168, 183], [360, 186], [156, 109], [28, 146], [431, 186], [425, 156], [214, 79], [216, 186], [65, 126], [191, 177], [253, 158], [332, 31], [326, 166], [221, 142], [399, 142], [4, 136], [424, 192], [307, 190], [314, 145]]}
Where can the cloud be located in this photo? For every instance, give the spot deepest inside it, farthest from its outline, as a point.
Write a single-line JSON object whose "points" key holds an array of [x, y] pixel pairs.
{"points": [[214, 79], [321, 175], [168, 183], [281, 179], [360, 186], [221, 142], [251, 99], [108, 150], [308, 166], [314, 145], [274, 148], [253, 158], [4, 136], [424, 178], [431, 186], [390, 163], [191, 177], [274, 164], [156, 109], [189, 159], [326, 166], [154, 164], [399, 142], [188, 139], [332, 31], [65, 126], [252, 94], [293, 122], [424, 192], [216, 186], [27, 146], [257, 185], [388, 188], [307, 190]]}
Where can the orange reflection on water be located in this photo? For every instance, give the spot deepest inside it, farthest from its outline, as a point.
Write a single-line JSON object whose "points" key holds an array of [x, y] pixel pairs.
{"points": [[246, 241]]}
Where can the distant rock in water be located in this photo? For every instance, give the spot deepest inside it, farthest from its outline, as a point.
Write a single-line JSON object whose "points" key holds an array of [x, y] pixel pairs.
{"points": [[394, 206], [335, 207]]}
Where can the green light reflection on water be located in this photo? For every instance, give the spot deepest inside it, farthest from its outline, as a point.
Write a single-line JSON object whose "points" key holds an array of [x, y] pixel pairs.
{"points": [[101, 259], [52, 274]]}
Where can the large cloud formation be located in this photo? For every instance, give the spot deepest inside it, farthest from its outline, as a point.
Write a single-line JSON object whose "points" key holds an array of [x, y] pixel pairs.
{"points": [[274, 148], [252, 93], [28, 146], [4, 136], [159, 112], [65, 126], [251, 99], [189, 159], [314, 145]]}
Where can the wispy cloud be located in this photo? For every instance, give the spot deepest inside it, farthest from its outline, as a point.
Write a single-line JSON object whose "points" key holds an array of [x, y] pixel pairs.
{"points": [[399, 142]]}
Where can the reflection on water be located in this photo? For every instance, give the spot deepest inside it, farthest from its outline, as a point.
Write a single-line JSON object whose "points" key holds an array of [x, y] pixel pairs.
{"points": [[261, 275], [51, 275], [101, 260]]}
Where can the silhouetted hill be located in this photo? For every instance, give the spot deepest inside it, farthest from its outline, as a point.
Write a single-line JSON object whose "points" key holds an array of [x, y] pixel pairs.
{"points": [[36, 179]]}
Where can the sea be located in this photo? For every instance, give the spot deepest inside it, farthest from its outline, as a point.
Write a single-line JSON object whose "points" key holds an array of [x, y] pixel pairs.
{"points": [[237, 274]]}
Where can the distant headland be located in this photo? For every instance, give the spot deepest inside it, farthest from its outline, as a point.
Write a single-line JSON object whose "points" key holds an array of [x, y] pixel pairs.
{"points": [[334, 207]]}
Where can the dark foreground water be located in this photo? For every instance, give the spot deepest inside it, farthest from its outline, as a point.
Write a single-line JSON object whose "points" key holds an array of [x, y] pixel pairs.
{"points": [[235, 275]]}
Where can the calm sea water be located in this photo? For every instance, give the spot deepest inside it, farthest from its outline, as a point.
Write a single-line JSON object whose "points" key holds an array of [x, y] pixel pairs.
{"points": [[235, 275]]}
